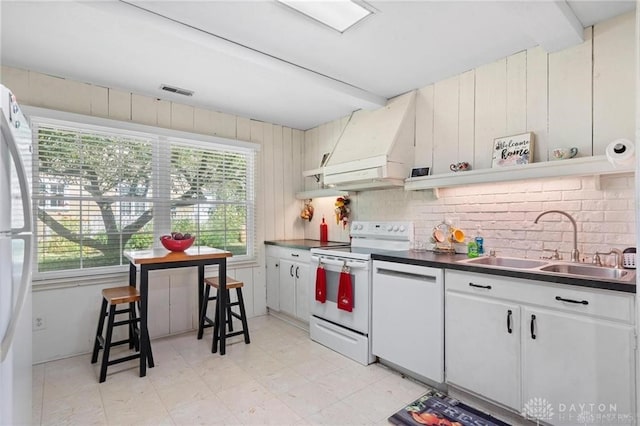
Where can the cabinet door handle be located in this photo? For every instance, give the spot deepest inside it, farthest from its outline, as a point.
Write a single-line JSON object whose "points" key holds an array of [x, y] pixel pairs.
{"points": [[509, 329], [297, 268], [488, 287], [533, 327], [562, 299], [295, 255], [291, 270]]}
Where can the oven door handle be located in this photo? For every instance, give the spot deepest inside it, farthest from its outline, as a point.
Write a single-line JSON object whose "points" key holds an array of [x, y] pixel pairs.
{"points": [[334, 262]]}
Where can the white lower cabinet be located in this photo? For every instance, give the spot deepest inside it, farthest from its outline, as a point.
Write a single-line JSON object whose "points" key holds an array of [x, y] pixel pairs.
{"points": [[557, 353], [273, 282], [303, 292], [288, 285], [572, 361], [483, 347]]}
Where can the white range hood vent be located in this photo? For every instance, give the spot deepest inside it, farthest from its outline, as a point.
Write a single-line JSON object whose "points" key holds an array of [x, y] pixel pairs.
{"points": [[376, 149]]}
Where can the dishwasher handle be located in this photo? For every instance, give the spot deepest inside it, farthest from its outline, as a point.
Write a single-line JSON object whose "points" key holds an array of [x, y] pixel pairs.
{"points": [[404, 274]]}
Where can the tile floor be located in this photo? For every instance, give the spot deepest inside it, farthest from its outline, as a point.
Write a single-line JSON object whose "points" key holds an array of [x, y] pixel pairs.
{"points": [[281, 378]]}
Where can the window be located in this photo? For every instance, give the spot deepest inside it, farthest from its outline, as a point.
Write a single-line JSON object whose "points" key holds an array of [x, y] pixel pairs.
{"points": [[52, 194], [123, 189]]}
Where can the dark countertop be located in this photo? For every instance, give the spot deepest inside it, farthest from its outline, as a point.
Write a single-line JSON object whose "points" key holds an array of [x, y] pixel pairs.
{"points": [[450, 261], [305, 244]]}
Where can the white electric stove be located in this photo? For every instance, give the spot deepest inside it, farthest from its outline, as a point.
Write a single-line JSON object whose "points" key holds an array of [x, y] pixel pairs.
{"points": [[340, 330]]}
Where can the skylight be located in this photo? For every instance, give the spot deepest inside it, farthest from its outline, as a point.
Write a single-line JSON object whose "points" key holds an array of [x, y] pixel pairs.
{"points": [[337, 14]]}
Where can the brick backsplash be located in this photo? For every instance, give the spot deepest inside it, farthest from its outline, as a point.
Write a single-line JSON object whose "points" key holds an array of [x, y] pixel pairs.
{"points": [[506, 211]]}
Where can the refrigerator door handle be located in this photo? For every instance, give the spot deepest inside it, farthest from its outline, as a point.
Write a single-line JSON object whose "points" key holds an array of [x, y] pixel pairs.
{"points": [[23, 180], [23, 292]]}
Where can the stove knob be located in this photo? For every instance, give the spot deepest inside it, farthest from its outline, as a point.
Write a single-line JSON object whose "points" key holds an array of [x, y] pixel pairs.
{"points": [[395, 228], [402, 228], [390, 228]]}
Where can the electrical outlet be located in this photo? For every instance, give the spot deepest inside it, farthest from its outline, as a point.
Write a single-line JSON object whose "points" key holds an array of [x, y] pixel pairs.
{"points": [[39, 323]]}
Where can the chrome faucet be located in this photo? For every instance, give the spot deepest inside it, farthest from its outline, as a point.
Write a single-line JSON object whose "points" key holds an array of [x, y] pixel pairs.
{"points": [[616, 252], [575, 254], [619, 257]]}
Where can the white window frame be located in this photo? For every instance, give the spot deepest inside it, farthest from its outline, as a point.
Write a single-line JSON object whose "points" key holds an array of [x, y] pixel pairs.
{"points": [[162, 137]]}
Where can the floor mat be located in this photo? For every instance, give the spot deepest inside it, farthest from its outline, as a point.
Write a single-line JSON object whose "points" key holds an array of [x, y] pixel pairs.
{"points": [[437, 409]]}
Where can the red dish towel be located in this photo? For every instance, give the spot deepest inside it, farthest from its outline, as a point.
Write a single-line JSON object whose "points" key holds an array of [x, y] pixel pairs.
{"points": [[321, 284], [345, 292]]}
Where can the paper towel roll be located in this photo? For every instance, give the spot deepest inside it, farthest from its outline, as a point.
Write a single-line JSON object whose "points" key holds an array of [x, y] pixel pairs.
{"points": [[620, 151]]}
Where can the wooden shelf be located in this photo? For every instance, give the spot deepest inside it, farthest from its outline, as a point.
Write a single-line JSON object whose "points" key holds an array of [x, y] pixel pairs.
{"points": [[583, 166]]}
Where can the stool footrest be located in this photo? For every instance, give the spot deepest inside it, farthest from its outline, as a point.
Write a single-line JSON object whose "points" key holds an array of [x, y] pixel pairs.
{"points": [[126, 322], [120, 342], [235, 333], [124, 358]]}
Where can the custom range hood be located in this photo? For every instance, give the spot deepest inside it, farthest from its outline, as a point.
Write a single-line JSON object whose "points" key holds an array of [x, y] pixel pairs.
{"points": [[376, 148]]}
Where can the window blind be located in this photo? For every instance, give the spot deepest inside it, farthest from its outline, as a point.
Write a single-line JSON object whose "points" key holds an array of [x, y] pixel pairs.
{"points": [[99, 191]]}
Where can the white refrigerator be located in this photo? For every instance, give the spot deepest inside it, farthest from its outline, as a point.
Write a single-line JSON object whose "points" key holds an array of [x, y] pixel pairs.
{"points": [[16, 256]]}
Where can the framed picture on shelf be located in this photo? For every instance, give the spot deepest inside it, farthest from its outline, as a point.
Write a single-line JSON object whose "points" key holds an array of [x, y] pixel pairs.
{"points": [[513, 150]]}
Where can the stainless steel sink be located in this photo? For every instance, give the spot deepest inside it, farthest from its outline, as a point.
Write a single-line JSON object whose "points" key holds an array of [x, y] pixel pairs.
{"points": [[589, 271], [553, 267], [506, 262]]}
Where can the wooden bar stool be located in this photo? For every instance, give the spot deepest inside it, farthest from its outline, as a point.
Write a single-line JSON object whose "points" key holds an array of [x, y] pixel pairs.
{"points": [[242, 315], [111, 298]]}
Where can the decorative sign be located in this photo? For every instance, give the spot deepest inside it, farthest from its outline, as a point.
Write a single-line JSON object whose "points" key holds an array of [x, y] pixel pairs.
{"points": [[513, 150]]}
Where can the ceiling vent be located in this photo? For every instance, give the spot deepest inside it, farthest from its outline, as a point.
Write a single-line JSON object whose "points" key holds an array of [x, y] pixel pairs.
{"points": [[176, 90]]}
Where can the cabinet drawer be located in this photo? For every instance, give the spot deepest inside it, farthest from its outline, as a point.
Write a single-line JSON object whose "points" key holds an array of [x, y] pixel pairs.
{"points": [[295, 255], [302, 256], [607, 304]]}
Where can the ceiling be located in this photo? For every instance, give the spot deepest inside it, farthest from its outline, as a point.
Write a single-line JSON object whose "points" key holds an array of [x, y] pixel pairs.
{"points": [[261, 59]]}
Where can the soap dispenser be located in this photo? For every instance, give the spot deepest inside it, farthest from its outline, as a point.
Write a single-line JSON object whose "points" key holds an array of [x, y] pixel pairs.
{"points": [[479, 241]]}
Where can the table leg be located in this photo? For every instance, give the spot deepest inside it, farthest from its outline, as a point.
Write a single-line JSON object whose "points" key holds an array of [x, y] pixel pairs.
{"points": [[222, 294], [132, 274], [200, 299], [132, 283], [144, 332]]}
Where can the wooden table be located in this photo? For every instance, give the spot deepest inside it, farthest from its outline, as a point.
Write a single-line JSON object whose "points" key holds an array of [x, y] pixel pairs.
{"points": [[160, 258]]}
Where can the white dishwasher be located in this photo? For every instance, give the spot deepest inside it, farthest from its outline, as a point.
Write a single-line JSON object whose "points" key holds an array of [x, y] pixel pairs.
{"points": [[408, 317]]}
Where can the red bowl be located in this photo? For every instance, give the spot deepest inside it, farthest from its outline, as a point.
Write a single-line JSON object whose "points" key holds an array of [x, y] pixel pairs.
{"points": [[177, 245]]}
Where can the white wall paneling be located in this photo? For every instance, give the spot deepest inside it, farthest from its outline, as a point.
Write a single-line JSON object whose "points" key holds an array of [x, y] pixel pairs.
{"points": [[445, 124], [270, 167], [570, 107], [243, 129], [182, 117], [144, 110], [119, 104], [279, 161], [537, 102], [202, 122], [613, 107], [466, 118], [424, 127], [517, 93], [491, 110]]}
